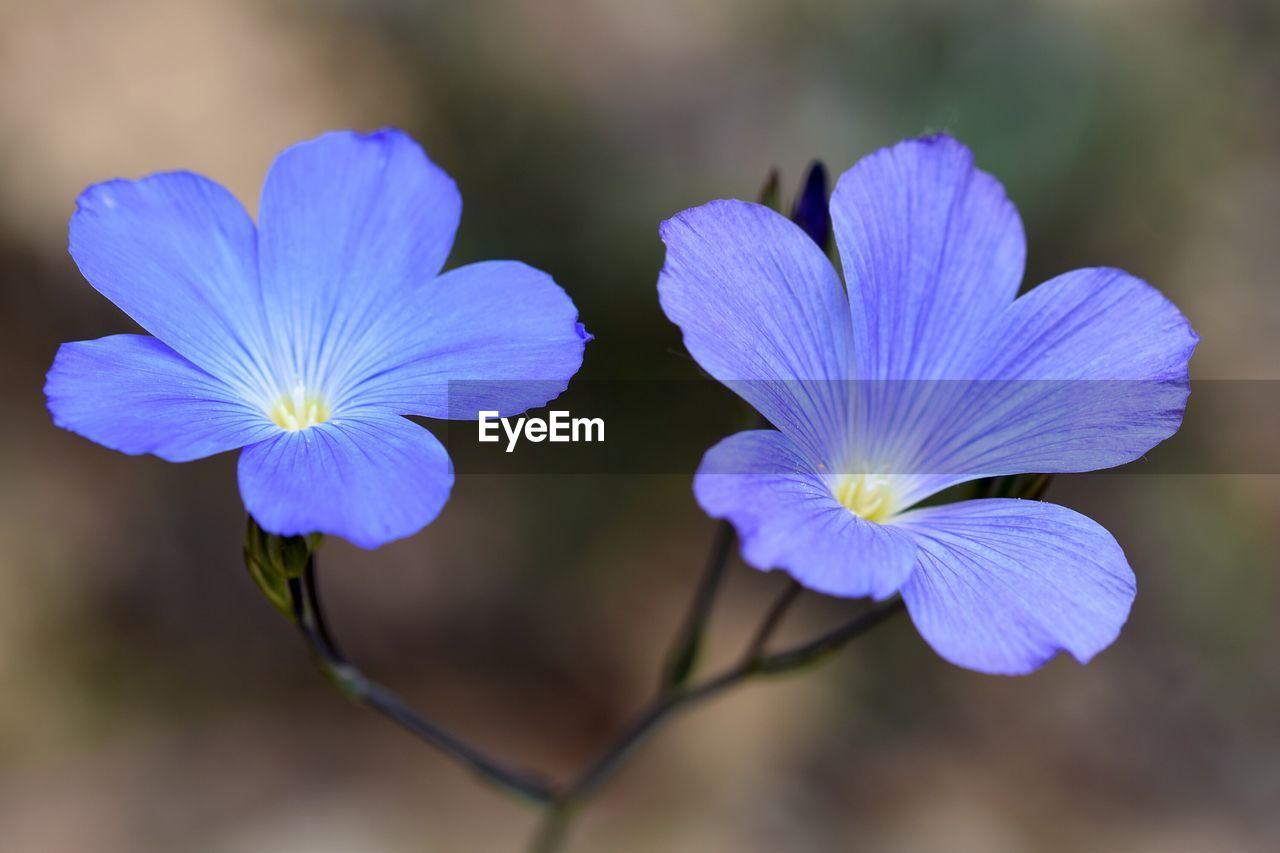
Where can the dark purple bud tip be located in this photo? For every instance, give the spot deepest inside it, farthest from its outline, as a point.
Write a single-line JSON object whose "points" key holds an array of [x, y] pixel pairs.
{"points": [[810, 211]]}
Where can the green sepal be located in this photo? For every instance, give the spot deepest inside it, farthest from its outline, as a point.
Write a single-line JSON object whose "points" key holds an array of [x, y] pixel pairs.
{"points": [[275, 560]]}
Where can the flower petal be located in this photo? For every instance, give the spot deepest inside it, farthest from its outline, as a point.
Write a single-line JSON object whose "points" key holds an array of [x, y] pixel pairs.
{"points": [[498, 336], [1087, 371], [349, 225], [1098, 323], [133, 394], [763, 311], [178, 254], [787, 517], [367, 477], [932, 250], [1003, 585]]}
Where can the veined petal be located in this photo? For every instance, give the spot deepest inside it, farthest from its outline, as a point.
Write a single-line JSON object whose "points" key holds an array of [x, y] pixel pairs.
{"points": [[134, 394], [367, 477], [1003, 585], [178, 254], [1087, 371], [497, 336], [787, 517], [350, 225], [763, 311], [932, 251]]}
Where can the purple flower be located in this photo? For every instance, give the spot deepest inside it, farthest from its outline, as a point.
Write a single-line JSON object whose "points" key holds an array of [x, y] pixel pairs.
{"points": [[925, 372], [305, 339]]}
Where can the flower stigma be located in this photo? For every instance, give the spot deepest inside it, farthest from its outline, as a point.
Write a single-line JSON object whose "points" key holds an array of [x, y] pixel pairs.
{"points": [[299, 409], [868, 496]]}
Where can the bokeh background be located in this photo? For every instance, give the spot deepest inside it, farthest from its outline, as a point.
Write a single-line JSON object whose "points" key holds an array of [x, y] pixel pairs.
{"points": [[151, 701]]}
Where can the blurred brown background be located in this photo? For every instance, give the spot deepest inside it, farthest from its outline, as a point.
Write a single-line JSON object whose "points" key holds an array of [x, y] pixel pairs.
{"points": [[151, 702]]}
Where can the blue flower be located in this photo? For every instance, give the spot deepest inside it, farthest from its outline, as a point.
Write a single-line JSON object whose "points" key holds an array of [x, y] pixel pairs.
{"points": [[925, 371], [305, 339]]}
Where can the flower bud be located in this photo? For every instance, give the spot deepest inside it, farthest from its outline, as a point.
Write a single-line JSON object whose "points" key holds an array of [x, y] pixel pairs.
{"points": [[810, 210]]}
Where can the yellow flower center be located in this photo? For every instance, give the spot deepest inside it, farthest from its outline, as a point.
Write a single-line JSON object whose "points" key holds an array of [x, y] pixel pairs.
{"points": [[299, 409], [867, 495]]}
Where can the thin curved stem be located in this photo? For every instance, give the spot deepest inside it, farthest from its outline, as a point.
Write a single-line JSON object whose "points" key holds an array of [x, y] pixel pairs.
{"points": [[772, 620], [310, 618], [688, 643], [552, 832], [831, 642]]}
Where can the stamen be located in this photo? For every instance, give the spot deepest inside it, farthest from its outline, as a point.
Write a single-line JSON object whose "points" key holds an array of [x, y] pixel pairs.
{"points": [[299, 409], [867, 495]]}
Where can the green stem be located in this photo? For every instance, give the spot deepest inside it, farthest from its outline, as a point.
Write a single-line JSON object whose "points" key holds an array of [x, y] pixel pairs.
{"points": [[813, 651], [772, 620], [553, 831], [309, 615], [688, 643]]}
